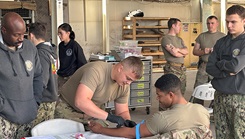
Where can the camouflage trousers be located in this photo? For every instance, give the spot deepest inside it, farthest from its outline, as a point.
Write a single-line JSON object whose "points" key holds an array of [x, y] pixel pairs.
{"points": [[202, 77], [9, 130], [229, 116], [65, 111], [180, 72], [200, 132], [45, 112]]}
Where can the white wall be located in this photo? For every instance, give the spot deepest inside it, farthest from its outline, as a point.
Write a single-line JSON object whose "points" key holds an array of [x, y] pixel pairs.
{"points": [[216, 8], [186, 12]]}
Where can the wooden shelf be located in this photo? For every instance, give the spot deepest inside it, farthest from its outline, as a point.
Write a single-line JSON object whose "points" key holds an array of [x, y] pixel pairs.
{"points": [[143, 36], [149, 45], [159, 61], [153, 27], [151, 41], [152, 53], [148, 30]]}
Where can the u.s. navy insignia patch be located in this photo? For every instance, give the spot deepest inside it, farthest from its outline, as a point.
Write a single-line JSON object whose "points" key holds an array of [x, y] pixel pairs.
{"points": [[29, 65], [68, 52], [235, 52]]}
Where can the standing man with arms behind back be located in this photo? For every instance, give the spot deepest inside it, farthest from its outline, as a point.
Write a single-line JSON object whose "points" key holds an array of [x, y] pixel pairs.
{"points": [[174, 52], [47, 55], [227, 65], [203, 47], [21, 82]]}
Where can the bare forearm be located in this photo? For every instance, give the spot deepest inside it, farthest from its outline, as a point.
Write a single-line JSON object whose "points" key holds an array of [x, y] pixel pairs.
{"points": [[198, 52], [201, 52], [179, 55], [92, 110], [183, 51], [119, 132], [177, 52], [125, 115]]}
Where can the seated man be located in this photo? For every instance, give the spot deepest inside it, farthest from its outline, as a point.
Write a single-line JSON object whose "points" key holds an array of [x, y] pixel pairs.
{"points": [[180, 115]]}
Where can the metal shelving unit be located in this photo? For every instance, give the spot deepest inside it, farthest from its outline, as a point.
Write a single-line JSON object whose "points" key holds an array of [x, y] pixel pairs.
{"points": [[140, 90]]}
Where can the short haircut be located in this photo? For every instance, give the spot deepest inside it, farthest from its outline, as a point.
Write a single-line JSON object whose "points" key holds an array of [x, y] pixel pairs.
{"points": [[38, 30], [172, 21], [211, 17], [236, 9], [169, 83], [135, 64]]}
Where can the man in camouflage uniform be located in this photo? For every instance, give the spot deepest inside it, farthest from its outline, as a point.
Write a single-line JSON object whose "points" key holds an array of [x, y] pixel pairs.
{"points": [[47, 55], [200, 132], [227, 65], [203, 47], [174, 52], [96, 83], [188, 115]]}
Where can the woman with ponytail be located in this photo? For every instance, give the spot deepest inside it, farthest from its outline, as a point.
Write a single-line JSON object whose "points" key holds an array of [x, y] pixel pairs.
{"points": [[71, 54]]}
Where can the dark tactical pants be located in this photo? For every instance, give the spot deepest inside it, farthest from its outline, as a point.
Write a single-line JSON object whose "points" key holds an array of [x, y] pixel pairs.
{"points": [[202, 77], [9, 130], [229, 116], [179, 70], [45, 112], [65, 111]]}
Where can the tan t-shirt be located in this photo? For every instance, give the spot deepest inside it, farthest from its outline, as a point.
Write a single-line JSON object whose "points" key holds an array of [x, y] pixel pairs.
{"points": [[178, 117], [97, 77], [208, 40], [176, 42]]}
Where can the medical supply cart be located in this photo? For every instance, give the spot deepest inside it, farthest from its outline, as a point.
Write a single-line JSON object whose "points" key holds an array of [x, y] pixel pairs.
{"points": [[140, 90]]}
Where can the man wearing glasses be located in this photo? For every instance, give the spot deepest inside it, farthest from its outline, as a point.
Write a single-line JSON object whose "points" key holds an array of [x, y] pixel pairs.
{"points": [[96, 83]]}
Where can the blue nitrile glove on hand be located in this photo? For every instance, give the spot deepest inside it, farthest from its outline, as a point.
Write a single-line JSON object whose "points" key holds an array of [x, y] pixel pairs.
{"points": [[129, 123], [115, 119]]}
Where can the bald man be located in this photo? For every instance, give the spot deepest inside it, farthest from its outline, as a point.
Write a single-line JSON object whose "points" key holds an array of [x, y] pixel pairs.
{"points": [[21, 78]]}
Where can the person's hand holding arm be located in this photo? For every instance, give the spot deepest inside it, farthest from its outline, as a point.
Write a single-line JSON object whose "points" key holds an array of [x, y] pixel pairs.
{"points": [[177, 52], [183, 51], [232, 65], [84, 96], [212, 67], [115, 119], [197, 51]]}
